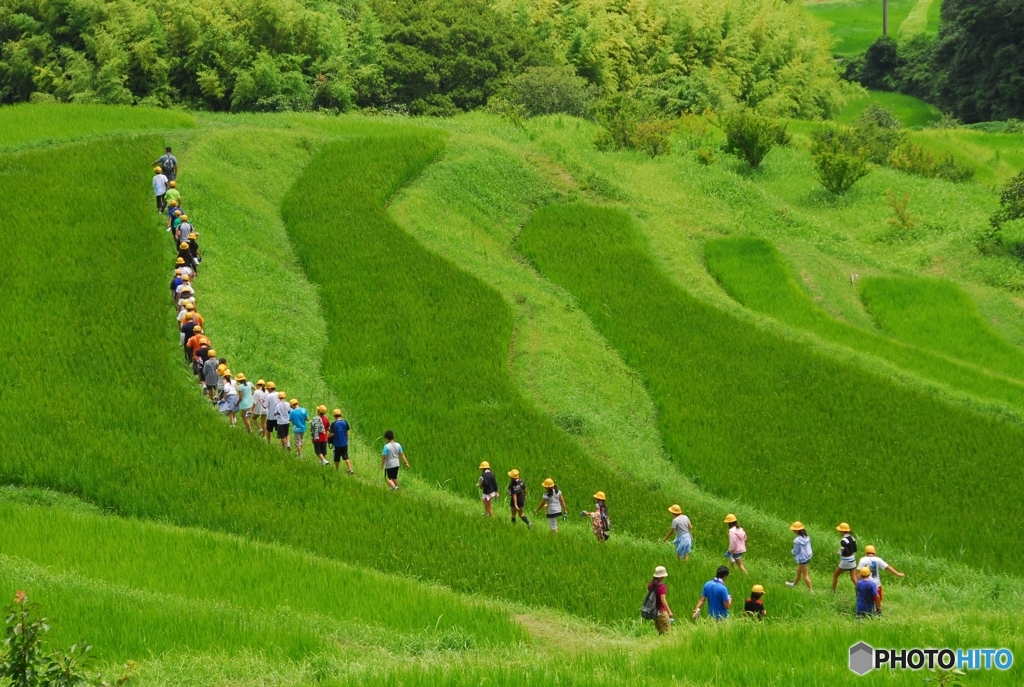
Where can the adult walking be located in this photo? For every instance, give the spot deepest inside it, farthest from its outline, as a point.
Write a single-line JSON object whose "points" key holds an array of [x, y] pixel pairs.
{"points": [[737, 543], [517, 498], [553, 501], [318, 433], [663, 620], [599, 521], [875, 566], [389, 459], [159, 188], [869, 594], [339, 440], [716, 595], [488, 486], [246, 401], [682, 530], [168, 163], [802, 554], [847, 556]]}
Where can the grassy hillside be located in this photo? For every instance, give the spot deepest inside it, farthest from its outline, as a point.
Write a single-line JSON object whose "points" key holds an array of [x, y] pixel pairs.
{"points": [[22, 125], [373, 264]]}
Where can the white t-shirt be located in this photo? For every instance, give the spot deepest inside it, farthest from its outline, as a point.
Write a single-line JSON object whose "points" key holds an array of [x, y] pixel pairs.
{"points": [[159, 184], [230, 389], [284, 412], [875, 564], [271, 397], [392, 451], [681, 524], [260, 401]]}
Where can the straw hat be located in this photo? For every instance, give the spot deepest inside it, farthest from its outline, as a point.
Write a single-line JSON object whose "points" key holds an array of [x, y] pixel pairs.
{"points": [[548, 483], [843, 527], [675, 509], [797, 526], [600, 495], [485, 465], [513, 473]]}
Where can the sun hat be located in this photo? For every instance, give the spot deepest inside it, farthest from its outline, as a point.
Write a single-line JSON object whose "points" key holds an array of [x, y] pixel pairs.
{"points": [[336, 412], [240, 377], [870, 548], [190, 306], [172, 184], [260, 382], [321, 408], [843, 527], [548, 483], [192, 234], [184, 218], [513, 473], [282, 395], [797, 526], [757, 589], [271, 385], [211, 353], [730, 518], [293, 402], [221, 368], [179, 261], [675, 509], [177, 270], [865, 571], [227, 372], [660, 572], [600, 495], [485, 466], [157, 170], [183, 245]]}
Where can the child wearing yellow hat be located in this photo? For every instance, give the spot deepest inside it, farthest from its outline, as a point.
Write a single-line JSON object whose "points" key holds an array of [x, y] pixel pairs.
{"points": [[599, 517], [754, 607], [682, 530], [517, 498], [488, 486], [553, 502]]}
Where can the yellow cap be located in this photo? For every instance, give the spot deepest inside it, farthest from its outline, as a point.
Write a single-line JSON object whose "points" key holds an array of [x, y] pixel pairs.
{"points": [[282, 395], [184, 218], [260, 382], [730, 518], [865, 571], [600, 495], [797, 526], [191, 234], [240, 377], [548, 483], [172, 184], [177, 271], [757, 589], [197, 330], [336, 412], [183, 245], [271, 386], [485, 466], [870, 548], [293, 402], [226, 372], [212, 353], [221, 367], [843, 527], [179, 261], [675, 509], [321, 408], [513, 473], [190, 306], [157, 170]]}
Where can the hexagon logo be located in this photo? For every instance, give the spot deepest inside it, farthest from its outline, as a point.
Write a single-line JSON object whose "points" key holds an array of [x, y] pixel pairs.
{"points": [[862, 658]]}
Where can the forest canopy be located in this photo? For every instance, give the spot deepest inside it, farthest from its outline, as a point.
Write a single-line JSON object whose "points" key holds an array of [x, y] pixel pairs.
{"points": [[420, 56]]}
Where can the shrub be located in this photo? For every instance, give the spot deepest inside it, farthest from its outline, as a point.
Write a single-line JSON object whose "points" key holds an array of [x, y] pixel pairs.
{"points": [[880, 62], [882, 116], [653, 137], [1011, 202], [1013, 126], [911, 158], [549, 90], [879, 141], [840, 158], [706, 155], [946, 121], [751, 136], [630, 125], [901, 219]]}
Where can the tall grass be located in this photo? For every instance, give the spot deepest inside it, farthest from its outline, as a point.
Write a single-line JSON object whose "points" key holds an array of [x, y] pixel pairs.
{"points": [[52, 123], [773, 423], [752, 272], [911, 111], [856, 24], [937, 315]]}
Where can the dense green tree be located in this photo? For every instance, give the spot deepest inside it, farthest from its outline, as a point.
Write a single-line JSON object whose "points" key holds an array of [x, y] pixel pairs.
{"points": [[979, 59]]}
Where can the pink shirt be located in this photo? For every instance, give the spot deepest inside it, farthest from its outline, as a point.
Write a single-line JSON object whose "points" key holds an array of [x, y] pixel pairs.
{"points": [[737, 540]]}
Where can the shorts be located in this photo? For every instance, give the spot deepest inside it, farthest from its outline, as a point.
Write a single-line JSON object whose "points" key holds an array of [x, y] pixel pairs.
{"points": [[392, 473], [490, 497], [684, 543], [341, 453], [271, 424], [320, 448], [553, 522], [298, 436], [800, 562], [847, 563], [733, 557], [282, 430]]}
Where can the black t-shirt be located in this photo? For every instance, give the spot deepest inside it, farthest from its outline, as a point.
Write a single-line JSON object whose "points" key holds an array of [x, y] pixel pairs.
{"points": [[754, 607], [489, 482], [517, 490], [188, 329]]}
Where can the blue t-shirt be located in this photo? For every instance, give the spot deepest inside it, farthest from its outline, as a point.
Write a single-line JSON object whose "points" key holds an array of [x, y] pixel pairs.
{"points": [[340, 429], [717, 595], [298, 418], [866, 591]]}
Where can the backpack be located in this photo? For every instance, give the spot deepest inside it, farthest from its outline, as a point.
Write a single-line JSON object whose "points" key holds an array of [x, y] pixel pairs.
{"points": [[649, 609]]}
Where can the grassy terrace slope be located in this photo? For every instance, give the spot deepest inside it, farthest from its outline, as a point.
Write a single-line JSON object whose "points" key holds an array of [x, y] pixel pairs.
{"points": [[22, 125], [753, 273], [768, 421], [937, 315]]}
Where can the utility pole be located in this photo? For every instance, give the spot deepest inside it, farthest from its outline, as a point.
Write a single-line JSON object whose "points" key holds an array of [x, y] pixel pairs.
{"points": [[885, 17]]}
